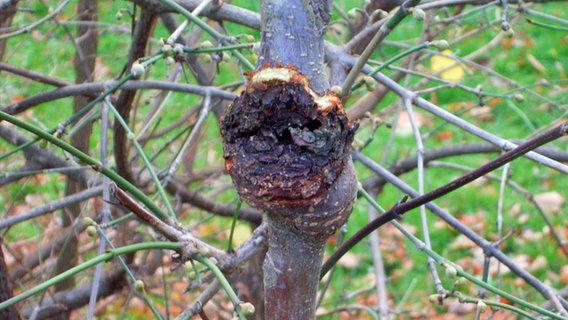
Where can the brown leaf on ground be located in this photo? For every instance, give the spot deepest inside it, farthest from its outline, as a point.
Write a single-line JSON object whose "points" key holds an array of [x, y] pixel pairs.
{"points": [[550, 202], [349, 260], [404, 127], [536, 63], [471, 265], [537, 264], [564, 275], [462, 242], [476, 221]]}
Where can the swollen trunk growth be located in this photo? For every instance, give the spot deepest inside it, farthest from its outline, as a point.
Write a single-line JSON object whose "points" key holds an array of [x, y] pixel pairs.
{"points": [[287, 149]]}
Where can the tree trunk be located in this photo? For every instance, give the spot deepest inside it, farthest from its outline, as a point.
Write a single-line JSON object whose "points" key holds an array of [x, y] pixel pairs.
{"points": [[287, 147], [7, 11], [86, 46], [292, 34], [6, 290]]}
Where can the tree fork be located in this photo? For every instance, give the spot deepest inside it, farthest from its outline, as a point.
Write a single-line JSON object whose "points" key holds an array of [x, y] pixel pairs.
{"points": [[287, 146]]}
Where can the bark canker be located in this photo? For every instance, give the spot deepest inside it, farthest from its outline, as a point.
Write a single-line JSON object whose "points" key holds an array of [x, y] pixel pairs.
{"points": [[287, 150]]}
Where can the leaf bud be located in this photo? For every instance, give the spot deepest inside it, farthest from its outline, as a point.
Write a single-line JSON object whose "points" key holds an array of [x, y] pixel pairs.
{"points": [[139, 285], [256, 47], [247, 308], [451, 272], [206, 44], [205, 58], [249, 38], [440, 44], [137, 69], [369, 83], [88, 221], [91, 231], [481, 306], [336, 89], [519, 97], [382, 14], [169, 60], [167, 47], [509, 33], [225, 56], [418, 14], [353, 13]]}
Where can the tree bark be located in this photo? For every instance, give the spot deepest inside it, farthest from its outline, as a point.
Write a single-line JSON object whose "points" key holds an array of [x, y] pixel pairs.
{"points": [[292, 34], [7, 11], [142, 33], [87, 41], [287, 147], [6, 291]]}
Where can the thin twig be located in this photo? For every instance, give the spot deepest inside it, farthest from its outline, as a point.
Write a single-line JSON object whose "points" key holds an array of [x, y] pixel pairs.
{"points": [[456, 224], [401, 208], [420, 166], [50, 207], [35, 24], [383, 32], [524, 192], [96, 87]]}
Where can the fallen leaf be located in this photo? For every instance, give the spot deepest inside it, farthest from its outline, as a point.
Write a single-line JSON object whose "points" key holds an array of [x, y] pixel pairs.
{"points": [[476, 222], [241, 234], [538, 263], [482, 114], [564, 275], [37, 35], [506, 301], [536, 64], [503, 314], [471, 265], [349, 260], [444, 135], [101, 71], [17, 98], [404, 127], [550, 202], [531, 235], [449, 69], [456, 307], [462, 242]]}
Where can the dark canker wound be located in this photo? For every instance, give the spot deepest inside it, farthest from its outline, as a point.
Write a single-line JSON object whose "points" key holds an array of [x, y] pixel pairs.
{"points": [[287, 149]]}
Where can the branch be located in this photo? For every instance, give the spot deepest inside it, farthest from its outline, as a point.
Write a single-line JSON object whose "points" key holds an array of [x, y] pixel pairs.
{"points": [[408, 164], [32, 75], [226, 12], [78, 297], [50, 207], [96, 88], [44, 157], [400, 208], [140, 38], [457, 121], [203, 202]]}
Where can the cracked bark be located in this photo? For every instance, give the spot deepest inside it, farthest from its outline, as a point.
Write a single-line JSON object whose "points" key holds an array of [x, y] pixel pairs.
{"points": [[287, 147]]}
